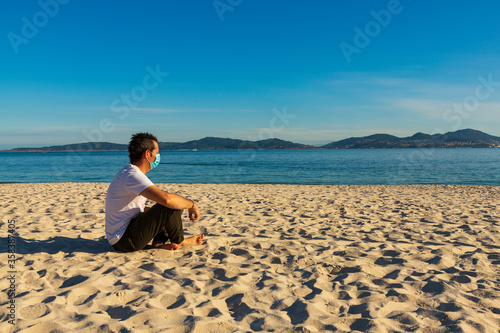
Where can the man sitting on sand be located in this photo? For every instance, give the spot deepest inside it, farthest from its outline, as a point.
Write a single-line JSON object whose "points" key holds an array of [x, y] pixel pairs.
{"points": [[129, 225]]}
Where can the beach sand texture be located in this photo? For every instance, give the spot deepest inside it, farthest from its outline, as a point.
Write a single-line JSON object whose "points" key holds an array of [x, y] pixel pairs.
{"points": [[278, 258]]}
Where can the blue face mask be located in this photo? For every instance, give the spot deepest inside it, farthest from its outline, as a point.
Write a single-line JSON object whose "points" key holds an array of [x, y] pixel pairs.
{"points": [[155, 163]]}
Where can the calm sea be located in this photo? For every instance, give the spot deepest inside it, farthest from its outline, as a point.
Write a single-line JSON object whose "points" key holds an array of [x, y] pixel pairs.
{"points": [[371, 166]]}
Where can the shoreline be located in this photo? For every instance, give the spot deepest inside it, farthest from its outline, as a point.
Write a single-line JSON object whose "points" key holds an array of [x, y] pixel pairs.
{"points": [[250, 184], [252, 149], [278, 257]]}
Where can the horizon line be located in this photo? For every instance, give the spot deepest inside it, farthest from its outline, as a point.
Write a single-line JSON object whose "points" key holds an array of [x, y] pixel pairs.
{"points": [[272, 138]]}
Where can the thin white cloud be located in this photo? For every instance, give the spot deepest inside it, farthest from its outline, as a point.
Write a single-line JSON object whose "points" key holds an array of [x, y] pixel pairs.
{"points": [[487, 111], [439, 109], [369, 79], [247, 110], [432, 109], [158, 110], [407, 83], [42, 130]]}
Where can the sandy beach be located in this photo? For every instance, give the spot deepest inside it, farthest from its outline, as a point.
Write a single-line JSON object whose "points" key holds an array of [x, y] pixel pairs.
{"points": [[278, 258]]}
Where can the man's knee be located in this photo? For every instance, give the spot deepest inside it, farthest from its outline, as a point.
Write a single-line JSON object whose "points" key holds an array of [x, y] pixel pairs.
{"points": [[177, 212], [168, 212]]}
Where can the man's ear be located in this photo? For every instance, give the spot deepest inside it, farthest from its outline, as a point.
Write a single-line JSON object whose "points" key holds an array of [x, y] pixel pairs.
{"points": [[145, 154]]}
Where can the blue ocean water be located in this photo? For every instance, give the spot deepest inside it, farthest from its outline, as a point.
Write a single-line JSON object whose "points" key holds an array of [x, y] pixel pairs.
{"points": [[351, 167]]}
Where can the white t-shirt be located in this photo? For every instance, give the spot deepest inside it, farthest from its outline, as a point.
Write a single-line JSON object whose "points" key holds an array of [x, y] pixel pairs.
{"points": [[123, 201]]}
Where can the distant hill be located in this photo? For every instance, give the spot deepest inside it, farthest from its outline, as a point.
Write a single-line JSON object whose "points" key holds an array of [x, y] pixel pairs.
{"points": [[87, 146], [209, 143], [467, 138]]}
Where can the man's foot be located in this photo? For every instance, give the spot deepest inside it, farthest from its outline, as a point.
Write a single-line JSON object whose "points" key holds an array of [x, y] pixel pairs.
{"points": [[170, 246], [157, 244], [193, 241], [161, 245]]}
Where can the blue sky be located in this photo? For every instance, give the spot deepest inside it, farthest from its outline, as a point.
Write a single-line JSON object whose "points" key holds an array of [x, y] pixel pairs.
{"points": [[305, 71]]}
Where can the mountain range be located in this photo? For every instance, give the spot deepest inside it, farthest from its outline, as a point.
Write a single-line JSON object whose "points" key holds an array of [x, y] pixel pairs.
{"points": [[467, 138]]}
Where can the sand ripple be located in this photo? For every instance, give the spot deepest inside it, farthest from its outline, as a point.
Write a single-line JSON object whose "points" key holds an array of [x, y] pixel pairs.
{"points": [[280, 258]]}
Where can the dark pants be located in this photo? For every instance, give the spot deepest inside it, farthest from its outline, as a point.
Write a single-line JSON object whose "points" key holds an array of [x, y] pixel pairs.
{"points": [[158, 223]]}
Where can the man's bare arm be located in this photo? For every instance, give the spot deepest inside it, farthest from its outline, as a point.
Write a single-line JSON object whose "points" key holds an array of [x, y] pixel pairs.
{"points": [[171, 200]]}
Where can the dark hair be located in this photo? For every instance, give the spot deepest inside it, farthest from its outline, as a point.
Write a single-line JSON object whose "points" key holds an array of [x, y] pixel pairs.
{"points": [[138, 144]]}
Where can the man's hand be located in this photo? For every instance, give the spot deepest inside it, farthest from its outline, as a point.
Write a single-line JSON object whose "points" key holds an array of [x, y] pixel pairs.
{"points": [[194, 213], [170, 200]]}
